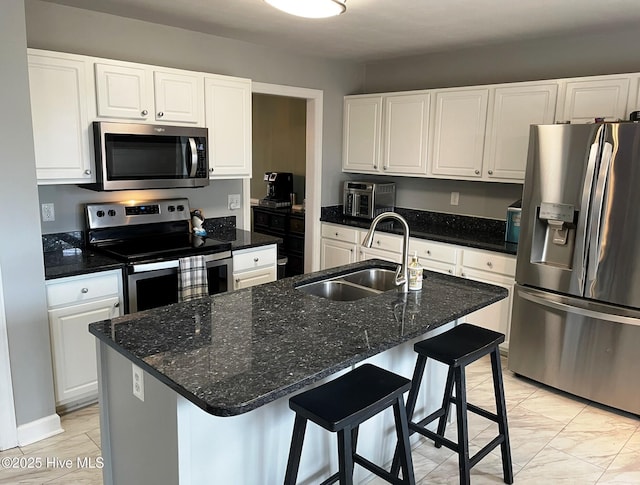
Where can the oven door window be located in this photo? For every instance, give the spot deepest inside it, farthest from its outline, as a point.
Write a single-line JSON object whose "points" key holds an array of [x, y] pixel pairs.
{"points": [[159, 288], [140, 157]]}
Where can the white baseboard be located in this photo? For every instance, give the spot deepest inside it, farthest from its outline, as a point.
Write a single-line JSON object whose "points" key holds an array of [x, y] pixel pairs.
{"points": [[39, 429]]}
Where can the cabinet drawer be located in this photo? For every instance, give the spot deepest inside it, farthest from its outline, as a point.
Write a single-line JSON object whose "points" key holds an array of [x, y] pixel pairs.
{"points": [[340, 233], [253, 278], [385, 242], [83, 288], [486, 261], [431, 251], [247, 259]]}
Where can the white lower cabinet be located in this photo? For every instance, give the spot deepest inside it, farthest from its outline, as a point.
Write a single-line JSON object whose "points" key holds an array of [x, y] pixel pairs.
{"points": [[74, 303], [338, 246], [254, 266], [495, 269], [384, 246], [433, 256]]}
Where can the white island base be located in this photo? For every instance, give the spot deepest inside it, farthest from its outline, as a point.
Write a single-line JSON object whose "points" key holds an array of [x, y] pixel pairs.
{"points": [[169, 440]]}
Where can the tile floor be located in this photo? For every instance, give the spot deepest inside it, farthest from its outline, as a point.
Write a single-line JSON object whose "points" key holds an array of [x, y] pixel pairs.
{"points": [[555, 439]]}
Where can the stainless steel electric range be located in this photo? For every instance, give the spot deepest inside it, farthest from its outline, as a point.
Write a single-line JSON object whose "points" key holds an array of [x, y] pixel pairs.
{"points": [[150, 237]]}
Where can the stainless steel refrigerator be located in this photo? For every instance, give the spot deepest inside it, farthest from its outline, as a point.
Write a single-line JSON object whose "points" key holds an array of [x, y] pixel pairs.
{"points": [[576, 312]]}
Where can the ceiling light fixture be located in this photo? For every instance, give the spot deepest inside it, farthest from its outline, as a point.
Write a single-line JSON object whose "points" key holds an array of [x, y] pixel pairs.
{"points": [[313, 9]]}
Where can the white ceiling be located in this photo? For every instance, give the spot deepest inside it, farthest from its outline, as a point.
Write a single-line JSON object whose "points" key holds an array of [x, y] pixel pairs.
{"points": [[379, 29]]}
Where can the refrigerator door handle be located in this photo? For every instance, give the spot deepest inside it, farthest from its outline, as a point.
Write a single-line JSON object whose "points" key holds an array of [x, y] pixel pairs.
{"points": [[578, 307], [595, 238], [584, 218]]}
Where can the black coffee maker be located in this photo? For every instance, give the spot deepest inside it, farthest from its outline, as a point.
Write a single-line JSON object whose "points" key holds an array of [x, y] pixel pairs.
{"points": [[279, 189]]}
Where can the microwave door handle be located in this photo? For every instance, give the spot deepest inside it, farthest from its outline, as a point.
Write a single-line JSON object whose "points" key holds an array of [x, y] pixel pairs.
{"points": [[356, 205], [194, 157]]}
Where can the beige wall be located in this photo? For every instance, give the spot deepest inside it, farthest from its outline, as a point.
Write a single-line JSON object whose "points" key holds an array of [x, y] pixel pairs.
{"points": [[279, 141]]}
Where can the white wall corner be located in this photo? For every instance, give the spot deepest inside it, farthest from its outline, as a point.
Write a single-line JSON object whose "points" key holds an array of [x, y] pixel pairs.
{"points": [[39, 429]]}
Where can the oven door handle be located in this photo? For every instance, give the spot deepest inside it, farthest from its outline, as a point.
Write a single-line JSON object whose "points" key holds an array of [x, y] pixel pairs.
{"points": [[142, 267]]}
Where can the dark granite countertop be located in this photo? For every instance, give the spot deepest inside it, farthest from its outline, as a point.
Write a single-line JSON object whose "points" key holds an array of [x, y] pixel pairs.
{"points": [[234, 352], [71, 261], [76, 261], [474, 232]]}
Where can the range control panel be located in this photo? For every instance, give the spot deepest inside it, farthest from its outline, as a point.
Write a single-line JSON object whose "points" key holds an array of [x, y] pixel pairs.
{"points": [[116, 214]]}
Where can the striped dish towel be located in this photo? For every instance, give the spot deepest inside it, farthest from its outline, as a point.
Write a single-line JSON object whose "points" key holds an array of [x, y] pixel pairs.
{"points": [[192, 278]]}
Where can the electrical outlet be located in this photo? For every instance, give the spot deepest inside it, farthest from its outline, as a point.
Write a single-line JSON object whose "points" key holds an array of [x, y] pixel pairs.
{"points": [[455, 197], [138, 382], [234, 201], [48, 212]]}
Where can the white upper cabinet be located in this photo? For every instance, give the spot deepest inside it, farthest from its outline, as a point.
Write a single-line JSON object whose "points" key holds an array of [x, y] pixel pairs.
{"points": [[386, 134], [59, 112], [361, 134], [458, 133], [179, 97], [228, 117], [585, 99], [130, 91], [124, 92], [514, 109], [405, 134]]}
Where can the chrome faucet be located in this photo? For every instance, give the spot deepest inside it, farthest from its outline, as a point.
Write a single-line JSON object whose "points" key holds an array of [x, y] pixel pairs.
{"points": [[402, 272]]}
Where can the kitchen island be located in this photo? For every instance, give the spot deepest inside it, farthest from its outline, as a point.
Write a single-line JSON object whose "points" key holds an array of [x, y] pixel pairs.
{"points": [[218, 373]]}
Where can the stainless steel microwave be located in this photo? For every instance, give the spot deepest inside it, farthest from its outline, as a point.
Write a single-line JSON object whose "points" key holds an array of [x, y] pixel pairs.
{"points": [[130, 156]]}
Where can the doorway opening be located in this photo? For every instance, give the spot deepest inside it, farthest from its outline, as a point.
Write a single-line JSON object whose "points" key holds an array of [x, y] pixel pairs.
{"points": [[313, 168]]}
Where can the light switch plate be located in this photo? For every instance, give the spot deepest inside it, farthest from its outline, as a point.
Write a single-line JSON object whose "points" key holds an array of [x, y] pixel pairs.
{"points": [[455, 197], [234, 201]]}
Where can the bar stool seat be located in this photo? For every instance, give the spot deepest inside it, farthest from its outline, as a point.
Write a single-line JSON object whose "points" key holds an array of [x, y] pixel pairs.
{"points": [[341, 405], [457, 348]]}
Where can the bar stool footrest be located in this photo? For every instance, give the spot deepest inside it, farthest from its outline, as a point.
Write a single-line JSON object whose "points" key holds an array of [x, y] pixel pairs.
{"points": [[483, 412], [497, 441], [332, 479], [372, 467], [434, 436]]}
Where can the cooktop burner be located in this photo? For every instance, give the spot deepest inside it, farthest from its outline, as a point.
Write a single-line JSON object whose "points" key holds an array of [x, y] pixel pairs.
{"points": [[164, 247]]}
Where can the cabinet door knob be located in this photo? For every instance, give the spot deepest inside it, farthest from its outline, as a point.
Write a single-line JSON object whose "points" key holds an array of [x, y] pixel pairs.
{"points": [[237, 280], [160, 114], [384, 167], [463, 275], [84, 290], [477, 172], [336, 234], [255, 260], [378, 242], [450, 271], [116, 304], [144, 112], [490, 264], [375, 166], [428, 252], [87, 172], [211, 170], [490, 172]]}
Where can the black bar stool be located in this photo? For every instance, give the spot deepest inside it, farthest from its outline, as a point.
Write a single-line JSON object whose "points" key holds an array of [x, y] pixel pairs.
{"points": [[341, 406], [458, 348]]}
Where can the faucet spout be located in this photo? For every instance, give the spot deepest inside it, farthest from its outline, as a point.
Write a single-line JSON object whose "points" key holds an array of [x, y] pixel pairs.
{"points": [[402, 272]]}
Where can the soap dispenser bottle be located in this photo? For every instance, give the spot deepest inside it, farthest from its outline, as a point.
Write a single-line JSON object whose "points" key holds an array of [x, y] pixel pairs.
{"points": [[415, 273]]}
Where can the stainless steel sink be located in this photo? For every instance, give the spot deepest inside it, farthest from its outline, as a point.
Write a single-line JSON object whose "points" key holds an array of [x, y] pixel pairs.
{"points": [[352, 286], [337, 290], [376, 278]]}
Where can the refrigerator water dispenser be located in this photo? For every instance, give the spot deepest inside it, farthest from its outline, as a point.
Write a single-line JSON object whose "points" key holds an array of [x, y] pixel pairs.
{"points": [[554, 235]]}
